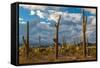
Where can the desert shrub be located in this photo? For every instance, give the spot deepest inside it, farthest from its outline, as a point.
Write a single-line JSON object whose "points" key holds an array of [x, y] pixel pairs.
{"points": [[91, 52]]}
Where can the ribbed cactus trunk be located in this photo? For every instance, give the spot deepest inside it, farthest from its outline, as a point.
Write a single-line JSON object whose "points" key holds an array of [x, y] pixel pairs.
{"points": [[57, 29], [87, 41], [87, 46], [63, 40], [26, 42], [27, 46], [56, 39], [39, 41], [84, 34]]}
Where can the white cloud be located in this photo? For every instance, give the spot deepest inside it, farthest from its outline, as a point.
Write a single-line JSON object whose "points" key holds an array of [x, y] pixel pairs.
{"points": [[73, 32], [59, 13], [32, 12], [40, 14], [22, 22], [38, 9], [48, 23], [91, 27], [79, 27], [45, 23], [54, 16], [92, 21], [33, 7], [91, 10], [74, 17], [51, 11], [20, 19], [89, 32], [42, 25], [65, 28]]}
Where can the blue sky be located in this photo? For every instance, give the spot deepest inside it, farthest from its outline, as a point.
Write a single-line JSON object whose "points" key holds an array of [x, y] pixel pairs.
{"points": [[43, 18]]}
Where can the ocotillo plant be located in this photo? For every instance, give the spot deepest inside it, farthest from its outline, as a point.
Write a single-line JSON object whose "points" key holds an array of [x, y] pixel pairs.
{"points": [[84, 34], [56, 39], [26, 42]]}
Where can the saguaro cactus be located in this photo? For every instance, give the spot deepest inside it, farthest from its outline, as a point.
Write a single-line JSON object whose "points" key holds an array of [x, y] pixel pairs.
{"points": [[27, 38], [84, 33], [56, 38], [26, 42], [39, 41], [87, 47], [63, 40]]}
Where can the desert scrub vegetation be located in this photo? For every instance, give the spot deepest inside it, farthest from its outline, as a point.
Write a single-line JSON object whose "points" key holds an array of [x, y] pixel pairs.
{"points": [[47, 54]]}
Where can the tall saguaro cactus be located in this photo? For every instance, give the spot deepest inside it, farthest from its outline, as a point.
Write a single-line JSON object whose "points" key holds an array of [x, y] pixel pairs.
{"points": [[40, 41], [56, 39], [84, 33], [27, 46], [26, 42], [63, 40]]}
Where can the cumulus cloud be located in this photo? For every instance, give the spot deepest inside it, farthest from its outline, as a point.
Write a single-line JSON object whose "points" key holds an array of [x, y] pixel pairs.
{"points": [[51, 11], [91, 10], [55, 16], [91, 27], [93, 21], [65, 28], [20, 19], [74, 17], [45, 37], [22, 22], [32, 12], [40, 14], [44, 26], [79, 27], [33, 7], [45, 22]]}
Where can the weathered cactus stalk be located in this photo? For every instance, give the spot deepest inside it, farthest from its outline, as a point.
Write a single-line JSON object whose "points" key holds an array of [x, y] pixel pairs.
{"points": [[84, 34], [26, 42], [87, 47], [56, 39], [63, 40], [39, 41], [27, 46]]}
